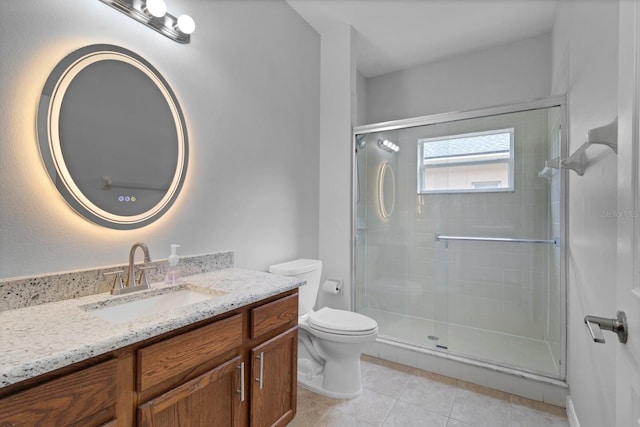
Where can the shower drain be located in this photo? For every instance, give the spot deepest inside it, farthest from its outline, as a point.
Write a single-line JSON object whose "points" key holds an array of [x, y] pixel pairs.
{"points": [[436, 338]]}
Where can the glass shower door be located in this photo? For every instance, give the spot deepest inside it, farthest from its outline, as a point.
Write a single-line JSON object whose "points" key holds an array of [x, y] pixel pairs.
{"points": [[457, 236], [401, 279]]}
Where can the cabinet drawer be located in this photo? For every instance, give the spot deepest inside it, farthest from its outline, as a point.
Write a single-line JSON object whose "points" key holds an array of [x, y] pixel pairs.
{"points": [[176, 356], [272, 315], [86, 397]]}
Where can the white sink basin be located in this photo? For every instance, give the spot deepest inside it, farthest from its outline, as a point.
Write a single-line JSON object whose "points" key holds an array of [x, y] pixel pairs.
{"points": [[148, 305]]}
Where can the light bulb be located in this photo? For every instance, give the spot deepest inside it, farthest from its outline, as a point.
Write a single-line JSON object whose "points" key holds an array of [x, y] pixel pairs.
{"points": [[156, 8], [186, 24]]}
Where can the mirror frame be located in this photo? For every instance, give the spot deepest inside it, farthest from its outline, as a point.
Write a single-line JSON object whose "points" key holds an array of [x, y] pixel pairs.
{"points": [[48, 116]]}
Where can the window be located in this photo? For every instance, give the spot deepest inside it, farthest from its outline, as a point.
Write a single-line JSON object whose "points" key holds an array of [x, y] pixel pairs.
{"points": [[472, 162]]}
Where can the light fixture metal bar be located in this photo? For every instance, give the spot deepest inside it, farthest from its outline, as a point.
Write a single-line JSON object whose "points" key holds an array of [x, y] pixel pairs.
{"points": [[165, 25]]}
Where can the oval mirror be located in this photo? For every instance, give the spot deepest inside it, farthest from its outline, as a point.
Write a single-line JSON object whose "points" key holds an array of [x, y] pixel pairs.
{"points": [[112, 136], [386, 190]]}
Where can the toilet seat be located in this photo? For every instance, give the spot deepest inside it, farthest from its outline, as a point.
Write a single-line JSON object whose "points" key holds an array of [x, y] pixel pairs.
{"points": [[341, 322]]}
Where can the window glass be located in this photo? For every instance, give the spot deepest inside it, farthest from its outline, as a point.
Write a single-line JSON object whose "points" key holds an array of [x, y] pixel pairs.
{"points": [[473, 162]]}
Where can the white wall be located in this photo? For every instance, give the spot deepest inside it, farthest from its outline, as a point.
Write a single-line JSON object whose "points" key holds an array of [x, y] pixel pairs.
{"points": [[510, 73], [249, 87], [585, 62], [338, 113], [361, 99]]}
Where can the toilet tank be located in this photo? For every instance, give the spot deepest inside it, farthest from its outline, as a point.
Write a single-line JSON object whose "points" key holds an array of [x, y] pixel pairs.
{"points": [[305, 269]]}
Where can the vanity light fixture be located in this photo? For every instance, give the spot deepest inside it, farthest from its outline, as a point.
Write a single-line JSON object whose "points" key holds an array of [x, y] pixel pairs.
{"points": [[153, 14], [156, 8], [185, 24], [387, 145]]}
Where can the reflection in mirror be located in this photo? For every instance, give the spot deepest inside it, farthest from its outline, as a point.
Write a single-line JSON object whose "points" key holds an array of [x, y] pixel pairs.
{"points": [[112, 136], [386, 190]]}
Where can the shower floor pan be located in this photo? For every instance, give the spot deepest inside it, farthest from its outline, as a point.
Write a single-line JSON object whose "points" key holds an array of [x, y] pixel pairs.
{"points": [[498, 348]]}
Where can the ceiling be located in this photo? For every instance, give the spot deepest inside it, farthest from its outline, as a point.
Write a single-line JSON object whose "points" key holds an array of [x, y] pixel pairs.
{"points": [[396, 34]]}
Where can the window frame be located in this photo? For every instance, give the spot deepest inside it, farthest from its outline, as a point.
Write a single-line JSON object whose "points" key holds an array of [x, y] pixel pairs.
{"points": [[510, 163]]}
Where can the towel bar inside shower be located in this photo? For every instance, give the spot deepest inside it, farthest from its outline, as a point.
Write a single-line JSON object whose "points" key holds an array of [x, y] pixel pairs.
{"points": [[440, 237]]}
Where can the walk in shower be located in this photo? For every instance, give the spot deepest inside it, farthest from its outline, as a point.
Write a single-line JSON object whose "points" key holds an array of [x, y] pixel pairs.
{"points": [[458, 234]]}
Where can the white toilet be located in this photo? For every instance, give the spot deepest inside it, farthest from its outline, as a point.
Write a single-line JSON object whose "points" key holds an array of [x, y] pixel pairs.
{"points": [[330, 341]]}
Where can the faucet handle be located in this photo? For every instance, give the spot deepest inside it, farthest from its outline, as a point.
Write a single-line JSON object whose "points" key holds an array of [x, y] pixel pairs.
{"points": [[117, 282], [143, 280]]}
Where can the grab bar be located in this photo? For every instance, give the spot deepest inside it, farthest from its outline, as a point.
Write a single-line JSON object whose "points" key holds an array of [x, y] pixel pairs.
{"points": [[439, 237]]}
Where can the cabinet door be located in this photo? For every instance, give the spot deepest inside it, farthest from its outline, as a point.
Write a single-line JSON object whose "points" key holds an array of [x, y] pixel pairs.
{"points": [[176, 357], [274, 372], [213, 399]]}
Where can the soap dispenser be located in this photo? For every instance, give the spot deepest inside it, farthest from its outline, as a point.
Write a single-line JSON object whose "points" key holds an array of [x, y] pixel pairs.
{"points": [[173, 274]]}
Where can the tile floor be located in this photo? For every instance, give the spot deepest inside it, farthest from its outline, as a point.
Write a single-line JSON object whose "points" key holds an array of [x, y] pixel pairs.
{"points": [[396, 395]]}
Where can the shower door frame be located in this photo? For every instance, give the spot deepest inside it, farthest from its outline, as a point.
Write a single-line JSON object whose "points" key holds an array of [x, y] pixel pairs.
{"points": [[552, 101]]}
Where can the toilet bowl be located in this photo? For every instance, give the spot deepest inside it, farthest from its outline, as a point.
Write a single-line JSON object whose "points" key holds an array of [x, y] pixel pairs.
{"points": [[330, 341]]}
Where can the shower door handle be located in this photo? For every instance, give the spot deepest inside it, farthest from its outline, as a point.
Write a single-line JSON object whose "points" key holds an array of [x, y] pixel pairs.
{"points": [[618, 325]]}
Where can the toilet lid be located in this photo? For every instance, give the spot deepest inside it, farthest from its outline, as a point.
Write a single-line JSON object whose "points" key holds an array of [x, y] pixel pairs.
{"points": [[341, 322]]}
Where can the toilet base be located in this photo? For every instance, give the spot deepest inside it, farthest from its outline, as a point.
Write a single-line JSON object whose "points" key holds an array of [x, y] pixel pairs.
{"points": [[311, 375], [314, 384]]}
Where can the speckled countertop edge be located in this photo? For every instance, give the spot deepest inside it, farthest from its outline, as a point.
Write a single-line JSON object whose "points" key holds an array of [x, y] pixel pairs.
{"points": [[39, 339]]}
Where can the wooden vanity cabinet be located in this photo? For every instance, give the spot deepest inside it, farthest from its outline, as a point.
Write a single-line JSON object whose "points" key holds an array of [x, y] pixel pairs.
{"points": [[190, 397], [273, 391], [210, 399], [274, 362], [234, 371]]}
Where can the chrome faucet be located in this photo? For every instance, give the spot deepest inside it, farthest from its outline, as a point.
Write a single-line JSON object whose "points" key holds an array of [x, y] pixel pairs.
{"points": [[131, 283]]}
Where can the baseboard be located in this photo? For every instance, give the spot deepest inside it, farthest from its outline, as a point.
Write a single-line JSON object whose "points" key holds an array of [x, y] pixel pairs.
{"points": [[571, 413]]}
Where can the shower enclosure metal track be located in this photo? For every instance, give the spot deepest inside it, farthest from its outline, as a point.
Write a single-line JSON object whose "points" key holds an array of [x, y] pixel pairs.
{"points": [[439, 237]]}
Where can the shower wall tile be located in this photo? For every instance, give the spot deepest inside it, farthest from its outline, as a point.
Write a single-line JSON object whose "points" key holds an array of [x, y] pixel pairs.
{"points": [[460, 310]]}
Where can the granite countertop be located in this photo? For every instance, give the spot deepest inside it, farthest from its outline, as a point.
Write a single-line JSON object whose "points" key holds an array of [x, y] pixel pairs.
{"points": [[39, 339]]}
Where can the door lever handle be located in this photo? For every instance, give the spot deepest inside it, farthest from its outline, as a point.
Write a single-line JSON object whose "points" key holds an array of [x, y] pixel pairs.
{"points": [[593, 323], [618, 325]]}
